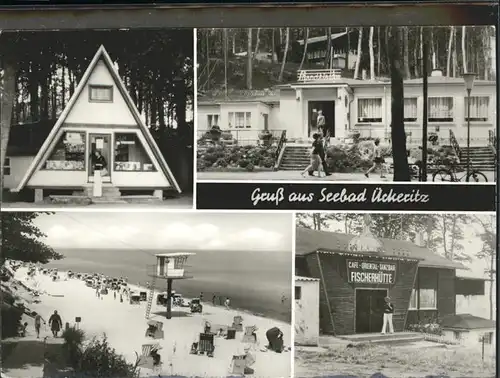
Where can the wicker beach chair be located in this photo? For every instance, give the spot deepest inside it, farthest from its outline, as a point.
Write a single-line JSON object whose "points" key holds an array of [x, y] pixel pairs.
{"points": [[237, 323], [155, 329], [240, 364], [250, 336], [146, 359], [206, 344]]}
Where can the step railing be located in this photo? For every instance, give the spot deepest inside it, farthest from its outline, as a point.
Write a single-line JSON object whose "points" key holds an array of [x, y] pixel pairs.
{"points": [[454, 145], [280, 150], [492, 141]]}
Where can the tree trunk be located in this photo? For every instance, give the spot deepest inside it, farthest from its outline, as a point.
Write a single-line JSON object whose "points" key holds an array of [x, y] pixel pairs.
{"points": [[233, 46], [273, 46], [283, 62], [450, 47], [398, 135], [406, 52], [492, 277], [208, 59], [358, 54], [416, 59], [348, 50], [257, 42], [328, 53], [421, 31], [455, 55], [306, 40], [378, 51], [464, 57], [433, 50], [249, 59], [7, 105], [372, 57]]}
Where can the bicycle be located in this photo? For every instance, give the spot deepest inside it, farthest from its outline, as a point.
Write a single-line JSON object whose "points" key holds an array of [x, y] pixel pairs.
{"points": [[450, 175]]}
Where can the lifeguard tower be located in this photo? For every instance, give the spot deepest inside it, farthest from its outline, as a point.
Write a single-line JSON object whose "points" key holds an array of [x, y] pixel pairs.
{"points": [[170, 267]]}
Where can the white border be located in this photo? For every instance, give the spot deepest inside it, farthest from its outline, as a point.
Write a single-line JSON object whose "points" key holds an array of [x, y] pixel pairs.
{"points": [[195, 114], [318, 182], [292, 298]]}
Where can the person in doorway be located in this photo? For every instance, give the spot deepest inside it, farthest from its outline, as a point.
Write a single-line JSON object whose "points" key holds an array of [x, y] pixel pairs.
{"points": [[55, 323], [38, 324], [388, 312], [378, 160], [227, 303], [322, 156], [314, 158], [321, 123], [99, 163]]}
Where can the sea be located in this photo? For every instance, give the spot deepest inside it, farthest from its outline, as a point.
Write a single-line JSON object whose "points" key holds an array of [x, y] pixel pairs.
{"points": [[259, 282]]}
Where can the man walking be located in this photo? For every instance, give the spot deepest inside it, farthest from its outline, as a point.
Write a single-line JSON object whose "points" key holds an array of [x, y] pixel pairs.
{"points": [[38, 324], [55, 323]]}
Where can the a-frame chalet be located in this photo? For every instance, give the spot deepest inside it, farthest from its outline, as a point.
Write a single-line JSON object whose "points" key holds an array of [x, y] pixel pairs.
{"points": [[100, 128]]}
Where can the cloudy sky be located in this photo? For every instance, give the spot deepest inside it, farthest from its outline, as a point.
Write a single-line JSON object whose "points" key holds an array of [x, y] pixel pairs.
{"points": [[165, 231]]}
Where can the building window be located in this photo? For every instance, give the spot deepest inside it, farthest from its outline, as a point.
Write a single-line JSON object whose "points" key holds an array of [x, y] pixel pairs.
{"points": [[428, 299], [487, 338], [298, 292], [6, 167], [130, 154], [213, 120], [457, 335], [440, 109], [410, 109], [68, 154], [100, 93], [240, 120], [369, 110], [478, 109]]}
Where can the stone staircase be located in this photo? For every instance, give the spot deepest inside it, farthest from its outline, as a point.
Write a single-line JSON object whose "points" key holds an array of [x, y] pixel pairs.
{"points": [[295, 158], [481, 158], [377, 338]]}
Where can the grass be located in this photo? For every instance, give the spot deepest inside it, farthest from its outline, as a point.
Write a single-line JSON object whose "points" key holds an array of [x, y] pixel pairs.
{"points": [[395, 362]]}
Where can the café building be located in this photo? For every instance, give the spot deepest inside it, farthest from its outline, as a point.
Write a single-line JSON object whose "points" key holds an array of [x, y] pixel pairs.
{"points": [[356, 273]]}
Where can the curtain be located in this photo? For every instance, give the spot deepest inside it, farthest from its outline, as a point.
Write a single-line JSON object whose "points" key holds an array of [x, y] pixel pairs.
{"points": [[410, 109], [478, 108], [370, 109], [441, 108]]}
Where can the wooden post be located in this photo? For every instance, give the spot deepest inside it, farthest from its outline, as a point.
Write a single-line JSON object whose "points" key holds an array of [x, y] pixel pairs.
{"points": [[169, 296], [423, 169]]}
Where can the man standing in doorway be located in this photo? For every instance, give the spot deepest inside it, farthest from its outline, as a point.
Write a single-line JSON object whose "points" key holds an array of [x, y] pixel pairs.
{"points": [[388, 312], [321, 123]]}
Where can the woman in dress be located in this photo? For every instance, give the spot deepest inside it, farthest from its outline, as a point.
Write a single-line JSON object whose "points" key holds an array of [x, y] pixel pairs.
{"points": [[314, 158]]}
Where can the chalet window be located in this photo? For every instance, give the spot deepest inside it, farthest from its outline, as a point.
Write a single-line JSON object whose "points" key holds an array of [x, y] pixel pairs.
{"points": [[100, 93], [478, 109], [68, 154], [410, 109], [6, 167], [130, 154], [457, 335], [440, 109], [240, 120], [298, 292], [428, 299], [213, 120], [369, 110], [487, 337]]}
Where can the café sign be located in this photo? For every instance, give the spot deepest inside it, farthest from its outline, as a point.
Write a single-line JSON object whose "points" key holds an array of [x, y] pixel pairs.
{"points": [[369, 272]]}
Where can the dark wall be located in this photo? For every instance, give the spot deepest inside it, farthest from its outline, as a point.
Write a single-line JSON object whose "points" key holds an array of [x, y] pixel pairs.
{"points": [[444, 281], [341, 294]]}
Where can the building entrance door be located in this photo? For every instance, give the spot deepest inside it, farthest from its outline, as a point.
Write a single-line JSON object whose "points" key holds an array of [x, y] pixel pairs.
{"points": [[327, 108], [370, 310], [100, 156]]}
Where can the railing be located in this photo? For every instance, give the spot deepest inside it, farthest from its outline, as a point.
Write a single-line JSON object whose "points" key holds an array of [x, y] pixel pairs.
{"points": [[281, 144], [454, 144], [319, 75], [241, 136], [492, 141]]}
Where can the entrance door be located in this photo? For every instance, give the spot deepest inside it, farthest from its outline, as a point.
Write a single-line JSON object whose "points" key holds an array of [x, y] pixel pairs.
{"points": [[100, 155], [327, 108], [266, 121], [370, 310]]}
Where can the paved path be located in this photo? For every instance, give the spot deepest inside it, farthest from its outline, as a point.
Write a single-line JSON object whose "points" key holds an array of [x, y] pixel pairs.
{"points": [[295, 176]]}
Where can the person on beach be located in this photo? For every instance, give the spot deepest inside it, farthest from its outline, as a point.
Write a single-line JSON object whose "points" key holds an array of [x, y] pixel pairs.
{"points": [[114, 294], [121, 298], [314, 157], [201, 296], [227, 303], [378, 160], [55, 323], [22, 330], [214, 300], [388, 312], [38, 324]]}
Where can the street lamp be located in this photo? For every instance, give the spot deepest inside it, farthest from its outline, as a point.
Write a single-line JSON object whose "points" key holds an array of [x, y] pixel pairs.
{"points": [[469, 84]]}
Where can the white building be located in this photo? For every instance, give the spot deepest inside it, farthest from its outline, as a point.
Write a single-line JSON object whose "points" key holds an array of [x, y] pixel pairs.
{"points": [[306, 311], [468, 329], [352, 106]]}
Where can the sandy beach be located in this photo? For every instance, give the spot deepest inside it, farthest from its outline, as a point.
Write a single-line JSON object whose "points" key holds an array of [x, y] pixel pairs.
{"points": [[125, 325]]}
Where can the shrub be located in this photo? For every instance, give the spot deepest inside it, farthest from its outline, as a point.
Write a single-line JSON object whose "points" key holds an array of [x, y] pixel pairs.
{"points": [[11, 320], [221, 162], [73, 341], [243, 163], [250, 167], [429, 328], [99, 359]]}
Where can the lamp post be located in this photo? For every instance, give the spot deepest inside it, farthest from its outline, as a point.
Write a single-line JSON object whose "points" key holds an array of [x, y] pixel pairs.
{"points": [[469, 84]]}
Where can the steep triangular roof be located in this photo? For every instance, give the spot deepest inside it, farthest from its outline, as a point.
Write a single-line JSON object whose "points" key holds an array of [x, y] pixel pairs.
{"points": [[101, 54]]}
